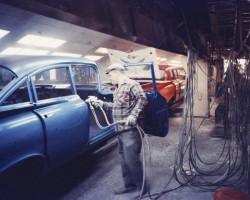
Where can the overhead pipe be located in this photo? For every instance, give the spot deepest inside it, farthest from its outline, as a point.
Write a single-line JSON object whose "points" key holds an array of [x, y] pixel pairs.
{"points": [[237, 41]]}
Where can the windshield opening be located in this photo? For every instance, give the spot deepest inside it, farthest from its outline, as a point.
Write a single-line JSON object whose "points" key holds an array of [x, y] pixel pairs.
{"points": [[6, 76]]}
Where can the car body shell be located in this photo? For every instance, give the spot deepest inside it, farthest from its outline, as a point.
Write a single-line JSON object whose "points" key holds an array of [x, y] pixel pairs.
{"points": [[53, 129], [175, 83], [44, 119], [172, 84]]}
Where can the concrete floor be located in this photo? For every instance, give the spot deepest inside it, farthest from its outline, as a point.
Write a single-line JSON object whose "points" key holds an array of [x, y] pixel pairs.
{"points": [[95, 176]]}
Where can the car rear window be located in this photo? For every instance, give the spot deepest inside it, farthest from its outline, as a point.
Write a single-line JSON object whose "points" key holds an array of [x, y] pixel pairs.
{"points": [[6, 76]]}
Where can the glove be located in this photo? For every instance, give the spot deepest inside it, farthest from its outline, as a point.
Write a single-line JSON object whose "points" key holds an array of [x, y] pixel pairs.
{"points": [[94, 101], [131, 120], [97, 103]]}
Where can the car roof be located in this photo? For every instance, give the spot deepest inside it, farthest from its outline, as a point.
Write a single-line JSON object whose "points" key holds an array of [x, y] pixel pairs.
{"points": [[22, 65]]}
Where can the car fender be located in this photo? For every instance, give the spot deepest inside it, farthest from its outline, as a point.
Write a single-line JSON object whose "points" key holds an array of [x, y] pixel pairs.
{"points": [[33, 163], [21, 136], [168, 92]]}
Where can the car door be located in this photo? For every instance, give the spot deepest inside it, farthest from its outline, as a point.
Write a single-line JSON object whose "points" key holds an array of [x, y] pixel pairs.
{"points": [[63, 113], [154, 119], [87, 81]]}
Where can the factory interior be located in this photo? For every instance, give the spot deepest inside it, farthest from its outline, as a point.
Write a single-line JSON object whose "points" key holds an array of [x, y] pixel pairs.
{"points": [[206, 152]]}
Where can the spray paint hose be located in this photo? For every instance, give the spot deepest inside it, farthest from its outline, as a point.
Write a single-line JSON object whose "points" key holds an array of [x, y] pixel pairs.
{"points": [[92, 101]]}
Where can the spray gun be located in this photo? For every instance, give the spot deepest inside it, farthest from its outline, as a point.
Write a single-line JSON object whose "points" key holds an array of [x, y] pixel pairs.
{"points": [[91, 98], [94, 102]]}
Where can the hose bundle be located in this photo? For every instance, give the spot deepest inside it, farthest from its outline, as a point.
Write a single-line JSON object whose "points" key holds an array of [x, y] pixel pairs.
{"points": [[231, 167]]}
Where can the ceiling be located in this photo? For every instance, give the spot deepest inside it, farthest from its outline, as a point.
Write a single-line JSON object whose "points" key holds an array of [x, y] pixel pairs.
{"points": [[230, 25], [212, 27], [79, 40]]}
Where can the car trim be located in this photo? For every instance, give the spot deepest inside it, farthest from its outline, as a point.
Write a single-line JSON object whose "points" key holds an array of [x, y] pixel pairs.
{"points": [[49, 102], [17, 107]]}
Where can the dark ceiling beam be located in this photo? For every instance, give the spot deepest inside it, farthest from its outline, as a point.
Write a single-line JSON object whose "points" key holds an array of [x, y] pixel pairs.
{"points": [[157, 23], [196, 30], [232, 23], [238, 27], [48, 11], [164, 13], [216, 37], [125, 19]]}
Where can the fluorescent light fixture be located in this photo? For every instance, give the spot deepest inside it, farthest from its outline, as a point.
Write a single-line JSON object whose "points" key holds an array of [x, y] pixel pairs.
{"points": [[175, 63], [160, 59], [35, 40], [93, 58], [102, 50], [23, 51], [66, 54], [3, 33]]}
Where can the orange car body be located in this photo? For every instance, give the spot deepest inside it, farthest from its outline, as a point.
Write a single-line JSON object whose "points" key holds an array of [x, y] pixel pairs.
{"points": [[171, 86]]}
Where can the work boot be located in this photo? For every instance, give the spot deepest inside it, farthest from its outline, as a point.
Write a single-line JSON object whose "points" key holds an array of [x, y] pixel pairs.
{"points": [[123, 190]]}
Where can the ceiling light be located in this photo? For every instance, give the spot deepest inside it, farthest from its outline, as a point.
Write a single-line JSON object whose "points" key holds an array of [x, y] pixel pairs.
{"points": [[35, 40], [175, 63], [66, 54], [3, 33], [102, 50], [93, 58], [161, 59], [23, 51]]}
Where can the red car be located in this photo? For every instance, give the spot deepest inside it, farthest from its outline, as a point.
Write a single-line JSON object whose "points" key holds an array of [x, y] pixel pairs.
{"points": [[171, 85]]}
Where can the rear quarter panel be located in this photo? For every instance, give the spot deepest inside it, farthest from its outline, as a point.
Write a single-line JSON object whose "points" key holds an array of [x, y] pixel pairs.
{"points": [[166, 88], [21, 136], [168, 92]]}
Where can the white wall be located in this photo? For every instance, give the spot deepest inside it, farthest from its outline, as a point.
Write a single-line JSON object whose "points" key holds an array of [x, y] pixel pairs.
{"points": [[212, 82], [201, 104]]}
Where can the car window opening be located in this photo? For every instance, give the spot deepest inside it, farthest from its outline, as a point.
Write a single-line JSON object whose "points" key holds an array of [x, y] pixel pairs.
{"points": [[52, 83], [85, 78], [6, 76]]}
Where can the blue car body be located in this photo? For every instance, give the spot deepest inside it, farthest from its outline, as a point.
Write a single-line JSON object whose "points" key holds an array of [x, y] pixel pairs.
{"points": [[44, 118]]}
